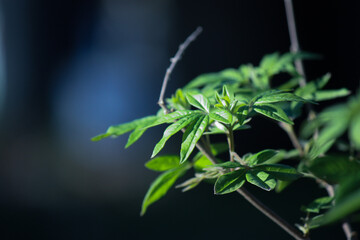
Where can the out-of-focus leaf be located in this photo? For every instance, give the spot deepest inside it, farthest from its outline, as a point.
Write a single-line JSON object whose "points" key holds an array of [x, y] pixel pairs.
{"points": [[191, 136], [354, 131], [318, 204], [334, 168], [163, 163], [160, 186], [323, 95], [230, 182]]}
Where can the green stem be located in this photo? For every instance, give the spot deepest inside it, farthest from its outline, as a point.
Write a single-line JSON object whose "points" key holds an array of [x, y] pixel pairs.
{"points": [[230, 139]]}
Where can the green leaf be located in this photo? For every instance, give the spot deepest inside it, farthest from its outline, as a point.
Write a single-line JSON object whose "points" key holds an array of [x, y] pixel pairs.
{"points": [[323, 95], [172, 129], [230, 182], [334, 168], [117, 130], [171, 117], [279, 171], [140, 130], [318, 204], [274, 112], [228, 165], [261, 157], [163, 163], [160, 186], [191, 136], [201, 163], [280, 97], [221, 115], [199, 101], [354, 131], [261, 179]]}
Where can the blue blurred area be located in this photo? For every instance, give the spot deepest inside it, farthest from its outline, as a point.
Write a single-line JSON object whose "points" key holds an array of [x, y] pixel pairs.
{"points": [[69, 69]]}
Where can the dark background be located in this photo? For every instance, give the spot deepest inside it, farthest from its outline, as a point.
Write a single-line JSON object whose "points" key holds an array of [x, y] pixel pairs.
{"points": [[69, 69]]}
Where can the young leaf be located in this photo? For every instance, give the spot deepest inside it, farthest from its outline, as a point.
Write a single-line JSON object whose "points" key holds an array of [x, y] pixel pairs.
{"points": [[279, 171], [160, 186], [163, 163], [261, 157], [261, 179], [230, 182], [274, 112], [221, 115], [172, 129], [199, 101], [192, 134], [117, 130]]}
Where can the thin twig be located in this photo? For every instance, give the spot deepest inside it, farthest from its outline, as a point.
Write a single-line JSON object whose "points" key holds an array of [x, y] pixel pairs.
{"points": [[174, 61], [271, 214], [295, 48], [294, 140]]}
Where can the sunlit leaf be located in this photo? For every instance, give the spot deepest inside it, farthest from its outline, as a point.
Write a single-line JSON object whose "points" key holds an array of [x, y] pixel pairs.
{"points": [[221, 115], [117, 130], [163, 163], [173, 129], [261, 179], [199, 101], [192, 135]]}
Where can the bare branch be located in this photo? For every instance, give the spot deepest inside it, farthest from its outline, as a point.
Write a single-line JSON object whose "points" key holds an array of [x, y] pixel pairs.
{"points": [[174, 61], [294, 39]]}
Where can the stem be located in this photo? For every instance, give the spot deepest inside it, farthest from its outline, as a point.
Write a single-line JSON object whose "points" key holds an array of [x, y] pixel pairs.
{"points": [[271, 214], [294, 140], [174, 61], [230, 138]]}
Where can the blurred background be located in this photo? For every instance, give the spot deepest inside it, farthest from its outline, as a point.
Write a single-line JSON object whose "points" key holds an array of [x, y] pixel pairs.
{"points": [[69, 69]]}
